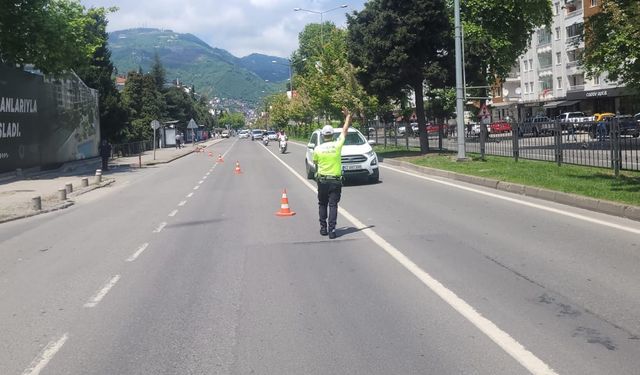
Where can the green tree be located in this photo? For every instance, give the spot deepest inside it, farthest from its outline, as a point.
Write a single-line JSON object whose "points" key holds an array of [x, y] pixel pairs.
{"points": [[144, 103], [612, 42], [398, 44], [98, 75], [54, 35], [235, 120], [158, 72], [496, 33]]}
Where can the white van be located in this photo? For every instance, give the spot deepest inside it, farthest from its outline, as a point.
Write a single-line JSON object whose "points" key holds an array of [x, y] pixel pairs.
{"points": [[358, 158]]}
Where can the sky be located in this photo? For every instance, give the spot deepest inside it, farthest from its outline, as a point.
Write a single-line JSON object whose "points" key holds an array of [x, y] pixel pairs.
{"points": [[241, 27]]}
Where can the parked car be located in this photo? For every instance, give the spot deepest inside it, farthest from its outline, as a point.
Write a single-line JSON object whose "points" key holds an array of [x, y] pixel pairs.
{"points": [[536, 126], [499, 127], [358, 158], [579, 120]]}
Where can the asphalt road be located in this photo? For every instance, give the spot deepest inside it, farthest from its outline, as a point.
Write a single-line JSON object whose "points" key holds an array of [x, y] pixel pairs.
{"points": [[186, 269]]}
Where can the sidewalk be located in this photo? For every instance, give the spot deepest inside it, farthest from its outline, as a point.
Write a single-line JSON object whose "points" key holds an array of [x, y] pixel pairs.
{"points": [[16, 193]]}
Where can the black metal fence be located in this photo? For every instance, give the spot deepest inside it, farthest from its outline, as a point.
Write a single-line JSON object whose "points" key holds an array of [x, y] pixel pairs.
{"points": [[130, 149], [611, 144]]}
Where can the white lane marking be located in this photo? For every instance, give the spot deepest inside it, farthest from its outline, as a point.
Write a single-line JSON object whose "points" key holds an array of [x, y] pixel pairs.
{"points": [[200, 182], [205, 176], [173, 213], [95, 300], [182, 203], [41, 361], [160, 227], [197, 187], [523, 203], [138, 252], [512, 347], [189, 195]]}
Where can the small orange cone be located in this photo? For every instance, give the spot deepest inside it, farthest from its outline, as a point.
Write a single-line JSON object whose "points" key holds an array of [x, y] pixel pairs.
{"points": [[210, 154], [284, 206], [238, 170], [220, 159]]}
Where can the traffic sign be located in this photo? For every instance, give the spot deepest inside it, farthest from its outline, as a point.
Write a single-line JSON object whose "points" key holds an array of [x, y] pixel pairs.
{"points": [[192, 125], [155, 124]]}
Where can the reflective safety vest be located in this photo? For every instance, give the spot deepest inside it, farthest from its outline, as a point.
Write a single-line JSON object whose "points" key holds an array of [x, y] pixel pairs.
{"points": [[328, 157]]}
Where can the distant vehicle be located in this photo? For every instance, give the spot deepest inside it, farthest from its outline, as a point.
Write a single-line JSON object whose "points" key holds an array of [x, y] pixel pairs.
{"points": [[257, 134], [579, 120], [225, 134], [358, 157], [536, 126], [243, 134], [273, 136], [498, 127]]}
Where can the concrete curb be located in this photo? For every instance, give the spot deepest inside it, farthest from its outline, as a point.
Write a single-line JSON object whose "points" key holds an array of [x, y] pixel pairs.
{"points": [[157, 162], [66, 204], [592, 204]]}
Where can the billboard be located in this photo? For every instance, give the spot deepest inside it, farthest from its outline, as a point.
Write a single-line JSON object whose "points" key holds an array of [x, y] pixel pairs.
{"points": [[45, 120]]}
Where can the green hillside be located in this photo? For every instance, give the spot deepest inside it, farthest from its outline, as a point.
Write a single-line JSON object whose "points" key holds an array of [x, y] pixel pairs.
{"points": [[213, 71]]}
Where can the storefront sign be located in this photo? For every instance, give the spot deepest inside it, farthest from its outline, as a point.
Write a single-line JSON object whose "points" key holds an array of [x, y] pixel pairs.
{"points": [[603, 93]]}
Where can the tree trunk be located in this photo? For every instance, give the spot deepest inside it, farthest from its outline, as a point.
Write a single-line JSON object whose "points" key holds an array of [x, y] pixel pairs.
{"points": [[422, 126]]}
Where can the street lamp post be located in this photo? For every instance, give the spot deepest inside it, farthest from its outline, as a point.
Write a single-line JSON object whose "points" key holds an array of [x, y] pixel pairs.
{"points": [[321, 13]]}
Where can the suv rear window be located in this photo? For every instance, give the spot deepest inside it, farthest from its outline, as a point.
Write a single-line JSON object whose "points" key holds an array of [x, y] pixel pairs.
{"points": [[352, 139]]}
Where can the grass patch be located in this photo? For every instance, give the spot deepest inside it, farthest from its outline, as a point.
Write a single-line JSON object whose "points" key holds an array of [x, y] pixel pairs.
{"points": [[591, 182]]}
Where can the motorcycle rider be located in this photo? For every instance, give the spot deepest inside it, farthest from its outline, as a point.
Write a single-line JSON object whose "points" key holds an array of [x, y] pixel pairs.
{"points": [[282, 140]]}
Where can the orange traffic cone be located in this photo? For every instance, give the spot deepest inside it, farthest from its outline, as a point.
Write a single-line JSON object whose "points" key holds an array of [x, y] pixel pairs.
{"points": [[220, 159], [284, 206], [210, 154], [238, 170]]}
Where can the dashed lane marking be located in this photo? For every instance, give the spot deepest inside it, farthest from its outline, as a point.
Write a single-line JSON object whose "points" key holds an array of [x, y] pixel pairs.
{"points": [[182, 203], [41, 361], [160, 227], [95, 300], [173, 213], [138, 252]]}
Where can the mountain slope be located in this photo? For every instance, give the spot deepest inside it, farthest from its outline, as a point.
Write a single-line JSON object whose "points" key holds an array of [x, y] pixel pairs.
{"points": [[213, 71], [265, 67]]}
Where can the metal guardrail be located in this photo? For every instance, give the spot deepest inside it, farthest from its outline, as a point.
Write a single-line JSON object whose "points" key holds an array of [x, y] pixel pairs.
{"points": [[130, 149]]}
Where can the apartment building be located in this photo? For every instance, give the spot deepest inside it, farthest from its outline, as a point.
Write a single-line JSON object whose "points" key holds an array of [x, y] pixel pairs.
{"points": [[548, 78]]}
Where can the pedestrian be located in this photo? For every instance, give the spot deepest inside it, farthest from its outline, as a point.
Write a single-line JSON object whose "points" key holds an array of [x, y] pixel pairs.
{"points": [[178, 140], [328, 162], [105, 154], [602, 130], [571, 131]]}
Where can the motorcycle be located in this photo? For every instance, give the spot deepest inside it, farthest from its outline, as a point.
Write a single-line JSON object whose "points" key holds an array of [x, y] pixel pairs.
{"points": [[283, 146], [265, 141]]}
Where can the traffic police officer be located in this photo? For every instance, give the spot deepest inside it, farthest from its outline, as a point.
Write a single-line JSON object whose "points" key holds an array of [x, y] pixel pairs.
{"points": [[328, 161]]}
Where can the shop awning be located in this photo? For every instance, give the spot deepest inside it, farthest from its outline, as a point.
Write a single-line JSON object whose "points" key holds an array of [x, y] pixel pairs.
{"points": [[567, 103], [553, 104]]}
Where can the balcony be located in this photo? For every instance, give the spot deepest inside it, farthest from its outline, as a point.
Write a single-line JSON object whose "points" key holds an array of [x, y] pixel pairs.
{"points": [[573, 40], [573, 64], [575, 88], [573, 12], [513, 77]]}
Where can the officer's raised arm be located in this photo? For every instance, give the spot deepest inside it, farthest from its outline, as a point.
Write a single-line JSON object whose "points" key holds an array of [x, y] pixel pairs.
{"points": [[347, 121]]}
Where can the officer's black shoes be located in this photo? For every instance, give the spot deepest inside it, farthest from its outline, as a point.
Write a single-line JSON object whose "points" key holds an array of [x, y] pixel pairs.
{"points": [[332, 234], [323, 231]]}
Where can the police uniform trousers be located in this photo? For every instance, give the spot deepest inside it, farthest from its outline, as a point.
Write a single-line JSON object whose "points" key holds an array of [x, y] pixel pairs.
{"points": [[329, 192]]}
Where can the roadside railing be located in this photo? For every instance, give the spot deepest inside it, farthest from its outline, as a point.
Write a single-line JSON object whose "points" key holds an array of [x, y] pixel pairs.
{"points": [[613, 144], [130, 149]]}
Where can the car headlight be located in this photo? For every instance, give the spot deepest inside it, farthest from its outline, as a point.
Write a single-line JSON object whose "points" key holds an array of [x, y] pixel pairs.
{"points": [[371, 154]]}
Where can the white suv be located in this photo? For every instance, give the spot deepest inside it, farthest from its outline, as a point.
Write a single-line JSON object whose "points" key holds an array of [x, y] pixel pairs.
{"points": [[358, 158]]}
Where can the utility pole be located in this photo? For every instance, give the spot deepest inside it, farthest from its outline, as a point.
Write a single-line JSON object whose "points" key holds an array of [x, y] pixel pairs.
{"points": [[459, 84]]}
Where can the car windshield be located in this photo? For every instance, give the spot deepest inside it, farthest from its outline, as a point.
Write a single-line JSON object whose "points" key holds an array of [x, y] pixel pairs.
{"points": [[353, 139]]}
